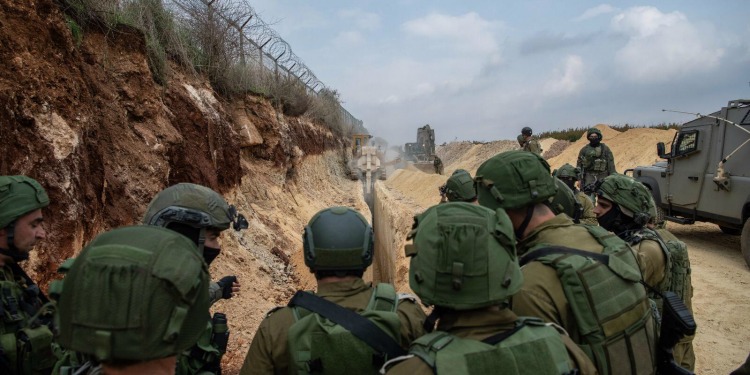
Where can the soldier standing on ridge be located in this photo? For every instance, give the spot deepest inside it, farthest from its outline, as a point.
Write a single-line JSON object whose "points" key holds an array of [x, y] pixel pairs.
{"points": [[463, 261], [133, 299], [595, 161], [200, 214], [624, 207], [378, 323], [438, 164], [618, 336], [25, 334], [527, 143]]}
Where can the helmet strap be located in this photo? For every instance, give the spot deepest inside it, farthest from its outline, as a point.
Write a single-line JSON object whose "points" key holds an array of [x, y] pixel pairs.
{"points": [[526, 220], [431, 320]]}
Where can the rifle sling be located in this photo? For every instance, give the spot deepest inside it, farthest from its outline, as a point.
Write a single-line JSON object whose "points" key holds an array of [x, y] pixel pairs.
{"points": [[359, 326], [536, 254]]}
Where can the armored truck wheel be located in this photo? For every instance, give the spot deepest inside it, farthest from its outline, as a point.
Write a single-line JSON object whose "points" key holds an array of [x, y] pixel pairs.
{"points": [[745, 241]]}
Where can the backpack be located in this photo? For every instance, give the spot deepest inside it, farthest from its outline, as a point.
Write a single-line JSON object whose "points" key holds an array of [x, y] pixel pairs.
{"points": [[318, 345], [611, 307], [677, 277], [532, 347]]}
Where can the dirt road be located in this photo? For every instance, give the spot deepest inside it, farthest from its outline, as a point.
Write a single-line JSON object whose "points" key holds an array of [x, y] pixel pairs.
{"points": [[722, 297]]}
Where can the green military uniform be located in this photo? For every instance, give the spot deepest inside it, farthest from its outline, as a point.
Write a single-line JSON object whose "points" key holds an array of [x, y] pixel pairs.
{"points": [[595, 160], [588, 216], [632, 209], [438, 164], [268, 352], [26, 322], [463, 261], [570, 271], [479, 325], [192, 210], [532, 145]]}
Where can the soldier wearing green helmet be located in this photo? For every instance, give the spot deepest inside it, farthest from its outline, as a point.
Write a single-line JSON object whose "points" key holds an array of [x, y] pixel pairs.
{"points": [[463, 262], [459, 187], [570, 269], [200, 214], [151, 290], [569, 175], [25, 329], [347, 326], [595, 160], [625, 207]]}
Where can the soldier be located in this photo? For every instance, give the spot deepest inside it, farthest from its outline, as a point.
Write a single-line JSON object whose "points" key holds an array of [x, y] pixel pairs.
{"points": [[569, 175], [308, 334], [463, 262], [624, 206], [571, 270], [459, 187], [25, 329], [200, 214], [527, 143], [438, 164], [150, 288], [595, 161]]}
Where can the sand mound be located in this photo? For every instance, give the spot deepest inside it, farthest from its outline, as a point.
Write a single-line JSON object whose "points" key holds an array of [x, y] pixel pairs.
{"points": [[469, 155]]}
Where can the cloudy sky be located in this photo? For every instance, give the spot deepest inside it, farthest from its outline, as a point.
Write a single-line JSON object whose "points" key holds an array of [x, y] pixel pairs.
{"points": [[482, 70]]}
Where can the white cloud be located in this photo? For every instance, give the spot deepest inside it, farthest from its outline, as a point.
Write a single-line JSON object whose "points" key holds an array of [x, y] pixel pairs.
{"points": [[664, 46], [348, 38], [362, 20], [469, 32], [595, 11], [568, 80]]}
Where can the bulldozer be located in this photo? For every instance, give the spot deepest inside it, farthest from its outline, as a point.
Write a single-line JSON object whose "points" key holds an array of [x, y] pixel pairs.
{"points": [[366, 162], [422, 152]]}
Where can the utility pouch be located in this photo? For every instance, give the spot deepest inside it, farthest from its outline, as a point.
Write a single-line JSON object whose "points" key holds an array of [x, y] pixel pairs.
{"points": [[9, 348], [600, 165], [35, 350]]}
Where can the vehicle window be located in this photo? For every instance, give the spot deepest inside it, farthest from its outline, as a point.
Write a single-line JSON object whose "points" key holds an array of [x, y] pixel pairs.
{"points": [[687, 142]]}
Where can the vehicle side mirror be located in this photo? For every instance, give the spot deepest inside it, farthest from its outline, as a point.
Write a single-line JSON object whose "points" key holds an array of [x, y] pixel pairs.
{"points": [[661, 151]]}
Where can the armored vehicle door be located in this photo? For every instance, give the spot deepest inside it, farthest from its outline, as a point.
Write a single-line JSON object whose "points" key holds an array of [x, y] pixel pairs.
{"points": [[687, 168]]}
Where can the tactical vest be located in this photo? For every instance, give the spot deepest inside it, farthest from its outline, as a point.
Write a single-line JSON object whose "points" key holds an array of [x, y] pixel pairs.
{"points": [[533, 347], [677, 277], [317, 345], [611, 307], [25, 337], [595, 159], [202, 358]]}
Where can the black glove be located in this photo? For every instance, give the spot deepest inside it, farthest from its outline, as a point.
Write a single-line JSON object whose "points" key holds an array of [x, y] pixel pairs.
{"points": [[226, 283]]}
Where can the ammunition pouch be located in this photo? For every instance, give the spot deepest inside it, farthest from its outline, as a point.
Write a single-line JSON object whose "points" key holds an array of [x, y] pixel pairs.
{"points": [[34, 347]]}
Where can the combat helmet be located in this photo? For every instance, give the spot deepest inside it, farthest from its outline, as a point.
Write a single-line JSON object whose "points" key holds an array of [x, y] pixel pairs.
{"points": [[191, 209], [631, 196], [338, 241], [463, 257], [514, 179], [567, 171], [565, 202], [460, 187], [150, 285], [19, 195], [592, 131]]}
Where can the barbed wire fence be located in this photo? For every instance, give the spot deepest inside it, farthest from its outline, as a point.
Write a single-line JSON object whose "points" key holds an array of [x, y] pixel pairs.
{"points": [[256, 48]]}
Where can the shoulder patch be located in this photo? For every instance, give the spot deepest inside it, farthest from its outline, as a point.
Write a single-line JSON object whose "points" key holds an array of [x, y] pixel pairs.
{"points": [[273, 310]]}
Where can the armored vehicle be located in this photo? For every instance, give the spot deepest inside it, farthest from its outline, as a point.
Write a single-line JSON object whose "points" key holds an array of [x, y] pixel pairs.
{"points": [[422, 152], [706, 175]]}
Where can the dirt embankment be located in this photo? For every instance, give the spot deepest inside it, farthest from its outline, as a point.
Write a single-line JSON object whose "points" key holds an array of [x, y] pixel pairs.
{"points": [[720, 276], [93, 127]]}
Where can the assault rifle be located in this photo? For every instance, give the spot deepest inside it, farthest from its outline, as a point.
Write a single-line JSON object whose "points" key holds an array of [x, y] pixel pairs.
{"points": [[677, 322]]}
